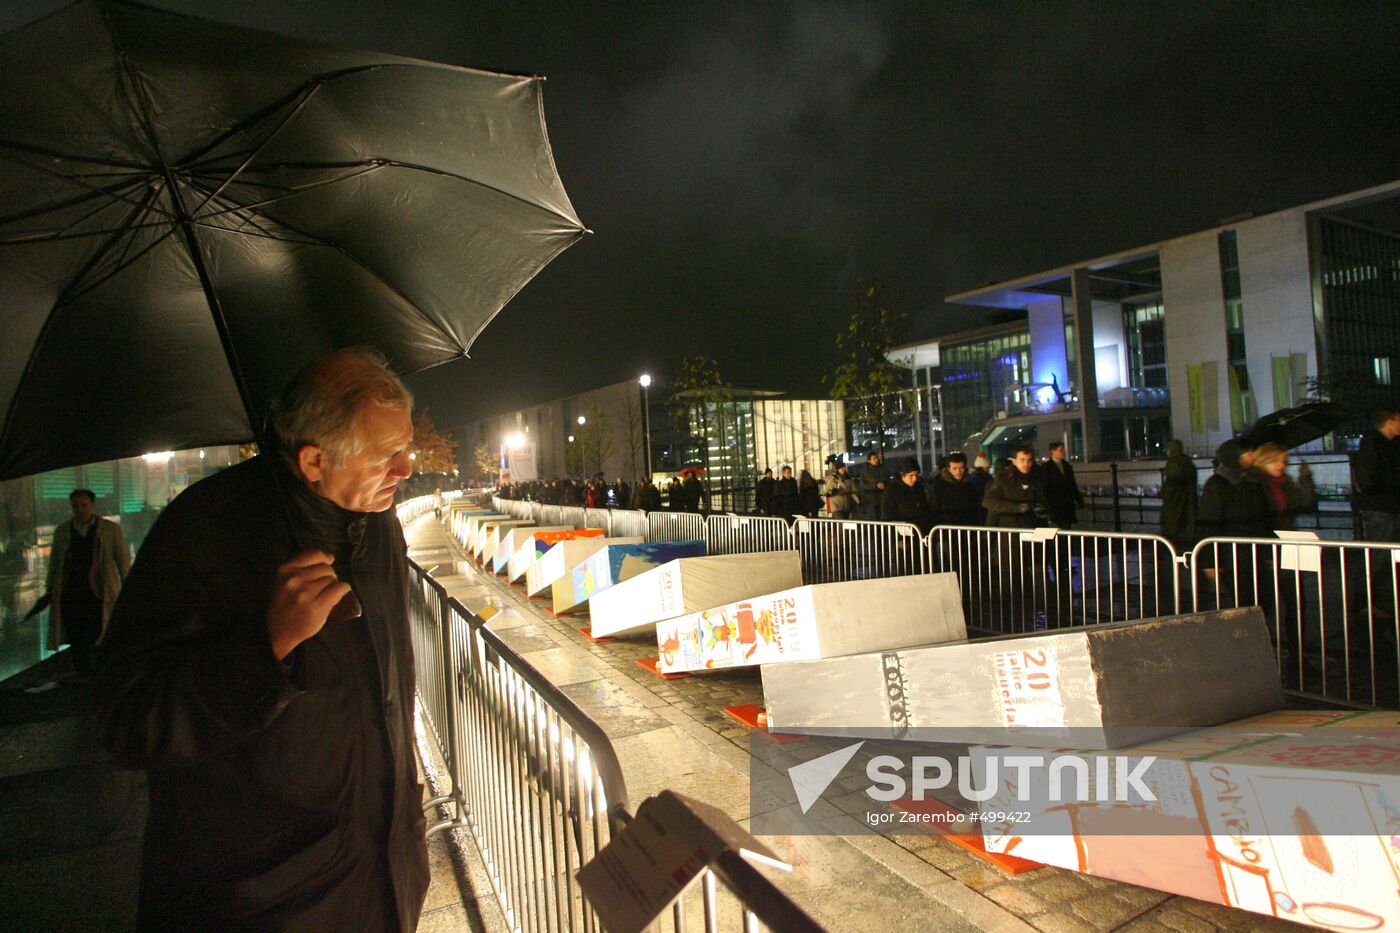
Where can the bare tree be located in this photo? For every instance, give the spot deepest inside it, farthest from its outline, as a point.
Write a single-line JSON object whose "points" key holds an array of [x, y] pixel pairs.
{"points": [[631, 430]]}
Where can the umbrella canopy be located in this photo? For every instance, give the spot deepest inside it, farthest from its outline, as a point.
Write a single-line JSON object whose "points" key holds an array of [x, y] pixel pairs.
{"points": [[1291, 427], [190, 212]]}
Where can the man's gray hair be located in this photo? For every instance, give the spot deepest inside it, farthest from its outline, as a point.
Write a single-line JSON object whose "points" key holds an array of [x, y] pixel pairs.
{"points": [[321, 404]]}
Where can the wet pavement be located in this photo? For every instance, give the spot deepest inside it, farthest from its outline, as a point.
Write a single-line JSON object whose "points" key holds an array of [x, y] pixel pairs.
{"points": [[674, 734]]}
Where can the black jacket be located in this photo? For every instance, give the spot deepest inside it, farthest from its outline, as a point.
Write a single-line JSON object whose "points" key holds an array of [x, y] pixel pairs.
{"points": [[1011, 500], [1230, 507], [1061, 492], [283, 795], [764, 495], [785, 497], [1375, 477], [904, 503], [955, 502]]}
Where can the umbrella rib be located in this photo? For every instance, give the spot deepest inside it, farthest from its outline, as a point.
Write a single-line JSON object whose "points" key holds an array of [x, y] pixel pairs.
{"points": [[380, 279], [70, 179], [415, 167], [69, 294], [290, 191], [45, 151], [300, 105], [196, 254], [64, 205], [245, 221]]}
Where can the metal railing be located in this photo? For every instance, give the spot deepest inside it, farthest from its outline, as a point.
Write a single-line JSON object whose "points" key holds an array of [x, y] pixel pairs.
{"points": [[597, 518], [536, 782], [575, 515], [533, 779], [1015, 580], [743, 534], [834, 550], [1331, 608], [675, 526], [1335, 628], [552, 515], [628, 523]]}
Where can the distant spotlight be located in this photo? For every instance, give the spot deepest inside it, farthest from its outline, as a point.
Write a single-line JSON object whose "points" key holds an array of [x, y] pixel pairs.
{"points": [[515, 441], [413, 456], [160, 457], [582, 419], [645, 380], [571, 438], [201, 455]]}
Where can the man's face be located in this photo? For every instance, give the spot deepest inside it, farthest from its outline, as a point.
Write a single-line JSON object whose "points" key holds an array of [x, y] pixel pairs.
{"points": [[1057, 453], [911, 478], [1022, 461], [874, 459], [957, 469], [366, 481], [83, 509], [787, 472]]}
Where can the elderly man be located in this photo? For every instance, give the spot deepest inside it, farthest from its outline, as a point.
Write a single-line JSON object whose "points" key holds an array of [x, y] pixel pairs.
{"points": [[259, 667]]}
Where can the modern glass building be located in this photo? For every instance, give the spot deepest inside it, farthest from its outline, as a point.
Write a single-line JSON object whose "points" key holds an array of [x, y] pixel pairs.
{"points": [[131, 492], [1194, 337]]}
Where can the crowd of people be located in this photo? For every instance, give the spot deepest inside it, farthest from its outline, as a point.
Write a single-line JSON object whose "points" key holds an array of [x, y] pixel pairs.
{"points": [[1249, 494]]}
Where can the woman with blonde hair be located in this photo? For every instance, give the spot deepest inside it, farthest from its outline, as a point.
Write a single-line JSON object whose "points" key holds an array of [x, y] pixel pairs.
{"points": [[1283, 497]]}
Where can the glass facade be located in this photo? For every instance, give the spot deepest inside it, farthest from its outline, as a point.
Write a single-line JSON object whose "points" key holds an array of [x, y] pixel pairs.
{"points": [[976, 376], [1144, 329], [1242, 410], [131, 492], [1360, 285]]}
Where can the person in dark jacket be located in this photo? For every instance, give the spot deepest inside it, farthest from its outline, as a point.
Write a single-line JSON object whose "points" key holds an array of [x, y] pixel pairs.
{"points": [[874, 479], [1224, 507], [1375, 479], [765, 491], [809, 494], [1012, 498], [905, 501], [675, 495], [955, 500], [785, 496], [647, 497], [692, 493], [1179, 497], [1060, 489], [272, 705]]}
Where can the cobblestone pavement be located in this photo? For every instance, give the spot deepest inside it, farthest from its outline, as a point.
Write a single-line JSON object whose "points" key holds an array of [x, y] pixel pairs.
{"points": [[674, 734]]}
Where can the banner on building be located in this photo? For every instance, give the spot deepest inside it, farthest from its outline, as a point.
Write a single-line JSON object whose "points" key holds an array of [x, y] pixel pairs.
{"points": [[521, 463], [1198, 405]]}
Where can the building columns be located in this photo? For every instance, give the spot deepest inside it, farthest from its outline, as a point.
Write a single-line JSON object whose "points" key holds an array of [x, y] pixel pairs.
{"points": [[1082, 302]]}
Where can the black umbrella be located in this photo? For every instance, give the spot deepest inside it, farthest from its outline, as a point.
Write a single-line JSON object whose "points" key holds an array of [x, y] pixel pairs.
{"points": [[1291, 427], [190, 211]]}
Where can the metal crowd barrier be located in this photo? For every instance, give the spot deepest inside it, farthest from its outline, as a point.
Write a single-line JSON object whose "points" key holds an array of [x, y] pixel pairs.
{"points": [[675, 526], [575, 515], [533, 779], [834, 550], [1331, 608], [741, 534], [536, 513], [629, 523], [1016, 580], [536, 781], [552, 515], [598, 518]]}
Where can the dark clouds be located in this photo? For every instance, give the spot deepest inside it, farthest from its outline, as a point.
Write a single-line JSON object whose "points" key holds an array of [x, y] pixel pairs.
{"points": [[743, 164]]}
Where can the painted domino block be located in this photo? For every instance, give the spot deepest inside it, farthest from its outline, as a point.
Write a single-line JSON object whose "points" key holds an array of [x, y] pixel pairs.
{"points": [[816, 621], [611, 565], [689, 585]]}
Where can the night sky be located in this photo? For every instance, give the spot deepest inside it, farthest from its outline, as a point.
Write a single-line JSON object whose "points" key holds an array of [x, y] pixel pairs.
{"points": [[744, 165]]}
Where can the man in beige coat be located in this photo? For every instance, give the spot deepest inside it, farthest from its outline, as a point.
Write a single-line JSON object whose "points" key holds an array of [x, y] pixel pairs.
{"points": [[86, 567]]}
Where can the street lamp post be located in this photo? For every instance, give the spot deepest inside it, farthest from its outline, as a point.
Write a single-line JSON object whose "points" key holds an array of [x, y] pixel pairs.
{"points": [[646, 418]]}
